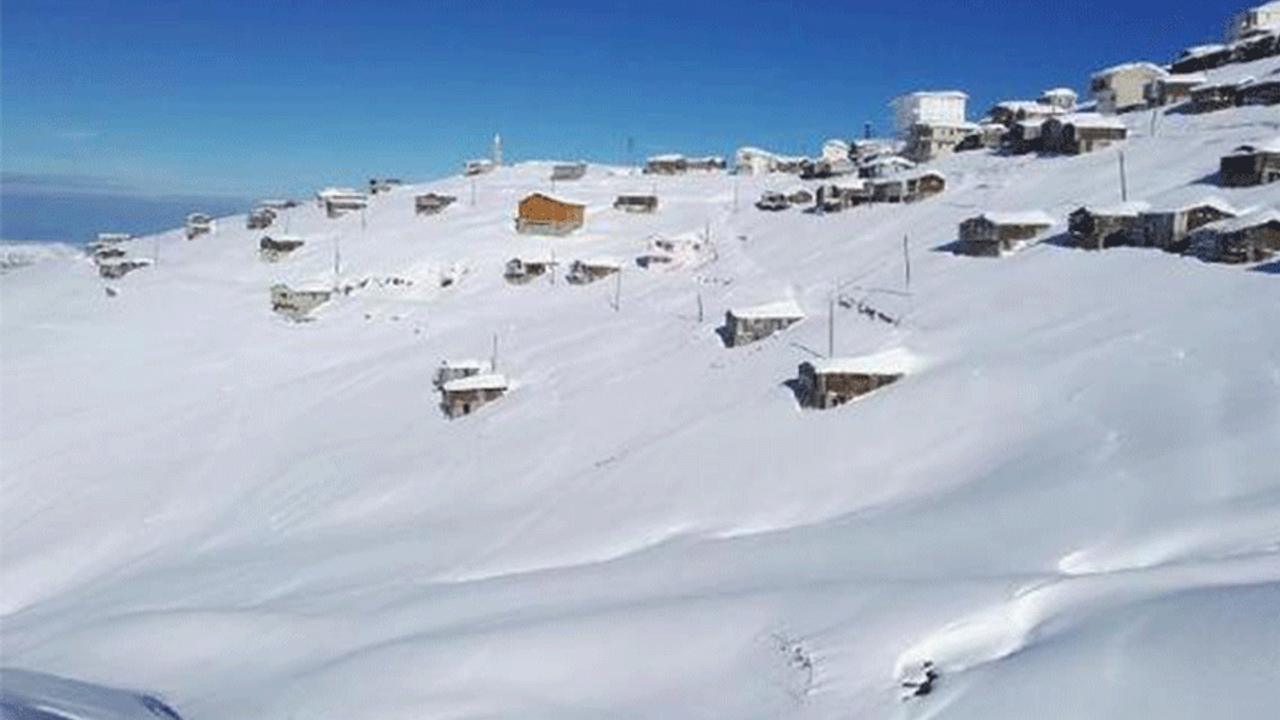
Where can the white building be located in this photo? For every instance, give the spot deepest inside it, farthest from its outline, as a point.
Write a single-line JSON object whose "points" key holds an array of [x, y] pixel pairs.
{"points": [[1124, 87], [1262, 17], [938, 107], [835, 151], [1061, 97]]}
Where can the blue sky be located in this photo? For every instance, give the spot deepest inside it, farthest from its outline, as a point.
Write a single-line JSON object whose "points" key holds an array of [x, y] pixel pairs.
{"points": [[247, 99]]}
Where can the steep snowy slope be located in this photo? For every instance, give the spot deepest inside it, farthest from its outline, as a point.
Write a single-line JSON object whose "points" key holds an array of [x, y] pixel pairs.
{"points": [[1072, 507]]}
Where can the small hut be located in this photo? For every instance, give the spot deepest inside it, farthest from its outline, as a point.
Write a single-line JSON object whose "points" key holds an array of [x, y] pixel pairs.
{"points": [[923, 185], [1173, 89], [198, 224], [520, 271], [119, 266], [297, 304], [1095, 228], [671, 164], [582, 272], [466, 395], [747, 325], [478, 167], [1252, 237], [1081, 133], [543, 215], [432, 203], [636, 203], [272, 249], [1262, 92], [831, 382], [1251, 165], [339, 201], [992, 234], [1214, 96]]}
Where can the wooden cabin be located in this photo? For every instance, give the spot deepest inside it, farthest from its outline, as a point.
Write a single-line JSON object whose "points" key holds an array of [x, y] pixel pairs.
{"points": [[1173, 89], [834, 198], [272, 249], [1265, 92], [1250, 238], [1168, 228], [432, 203], [830, 382], [1251, 165], [923, 185], [520, 271], [666, 165], [1215, 96], [198, 224], [636, 203], [464, 396], [992, 234], [573, 171], [297, 304], [582, 272], [1096, 228], [747, 325], [1081, 133], [1200, 58], [707, 164], [543, 215], [261, 218]]}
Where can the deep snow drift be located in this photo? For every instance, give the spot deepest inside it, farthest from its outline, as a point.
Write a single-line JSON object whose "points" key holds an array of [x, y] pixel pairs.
{"points": [[1071, 506]]}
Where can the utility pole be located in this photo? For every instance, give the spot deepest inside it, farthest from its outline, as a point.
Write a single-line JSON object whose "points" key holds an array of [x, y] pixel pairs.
{"points": [[699, 306], [1124, 186], [617, 293], [831, 323], [906, 259], [735, 192], [493, 359], [473, 192]]}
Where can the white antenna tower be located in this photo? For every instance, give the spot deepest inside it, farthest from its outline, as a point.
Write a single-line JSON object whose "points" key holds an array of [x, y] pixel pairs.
{"points": [[497, 150]]}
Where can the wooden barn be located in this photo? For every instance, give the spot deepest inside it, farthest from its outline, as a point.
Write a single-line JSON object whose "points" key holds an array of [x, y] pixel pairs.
{"points": [[272, 249], [572, 171], [582, 272], [1249, 238], [747, 325], [464, 396], [543, 215], [520, 271], [831, 382], [1081, 133], [1168, 228], [198, 224], [297, 304], [432, 203], [1251, 165], [1096, 228], [992, 234], [636, 203]]}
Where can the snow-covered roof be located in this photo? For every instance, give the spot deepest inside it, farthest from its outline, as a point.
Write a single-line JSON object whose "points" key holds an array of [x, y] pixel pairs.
{"points": [[466, 364], [1030, 106], [273, 203], [1210, 201], [601, 262], [1245, 221], [669, 157], [283, 238], [335, 193], [780, 309], [939, 94], [888, 362], [113, 237], [1132, 208], [1192, 79], [1122, 67], [1202, 50], [1267, 146], [1019, 217], [494, 381], [1093, 120], [1060, 92]]}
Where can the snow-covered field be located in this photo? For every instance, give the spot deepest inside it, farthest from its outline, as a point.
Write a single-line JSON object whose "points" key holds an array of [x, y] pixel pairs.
{"points": [[1072, 506]]}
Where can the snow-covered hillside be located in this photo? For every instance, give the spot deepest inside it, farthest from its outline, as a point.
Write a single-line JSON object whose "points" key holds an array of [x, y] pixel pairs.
{"points": [[1072, 506]]}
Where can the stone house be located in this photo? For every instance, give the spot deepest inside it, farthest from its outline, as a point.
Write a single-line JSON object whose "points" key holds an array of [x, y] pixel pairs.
{"points": [[1081, 133], [747, 325], [1251, 165], [1096, 228], [297, 304], [520, 271], [1252, 237], [992, 234], [582, 272], [830, 382], [464, 396], [542, 215], [432, 203], [1168, 228], [1122, 88], [272, 249]]}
